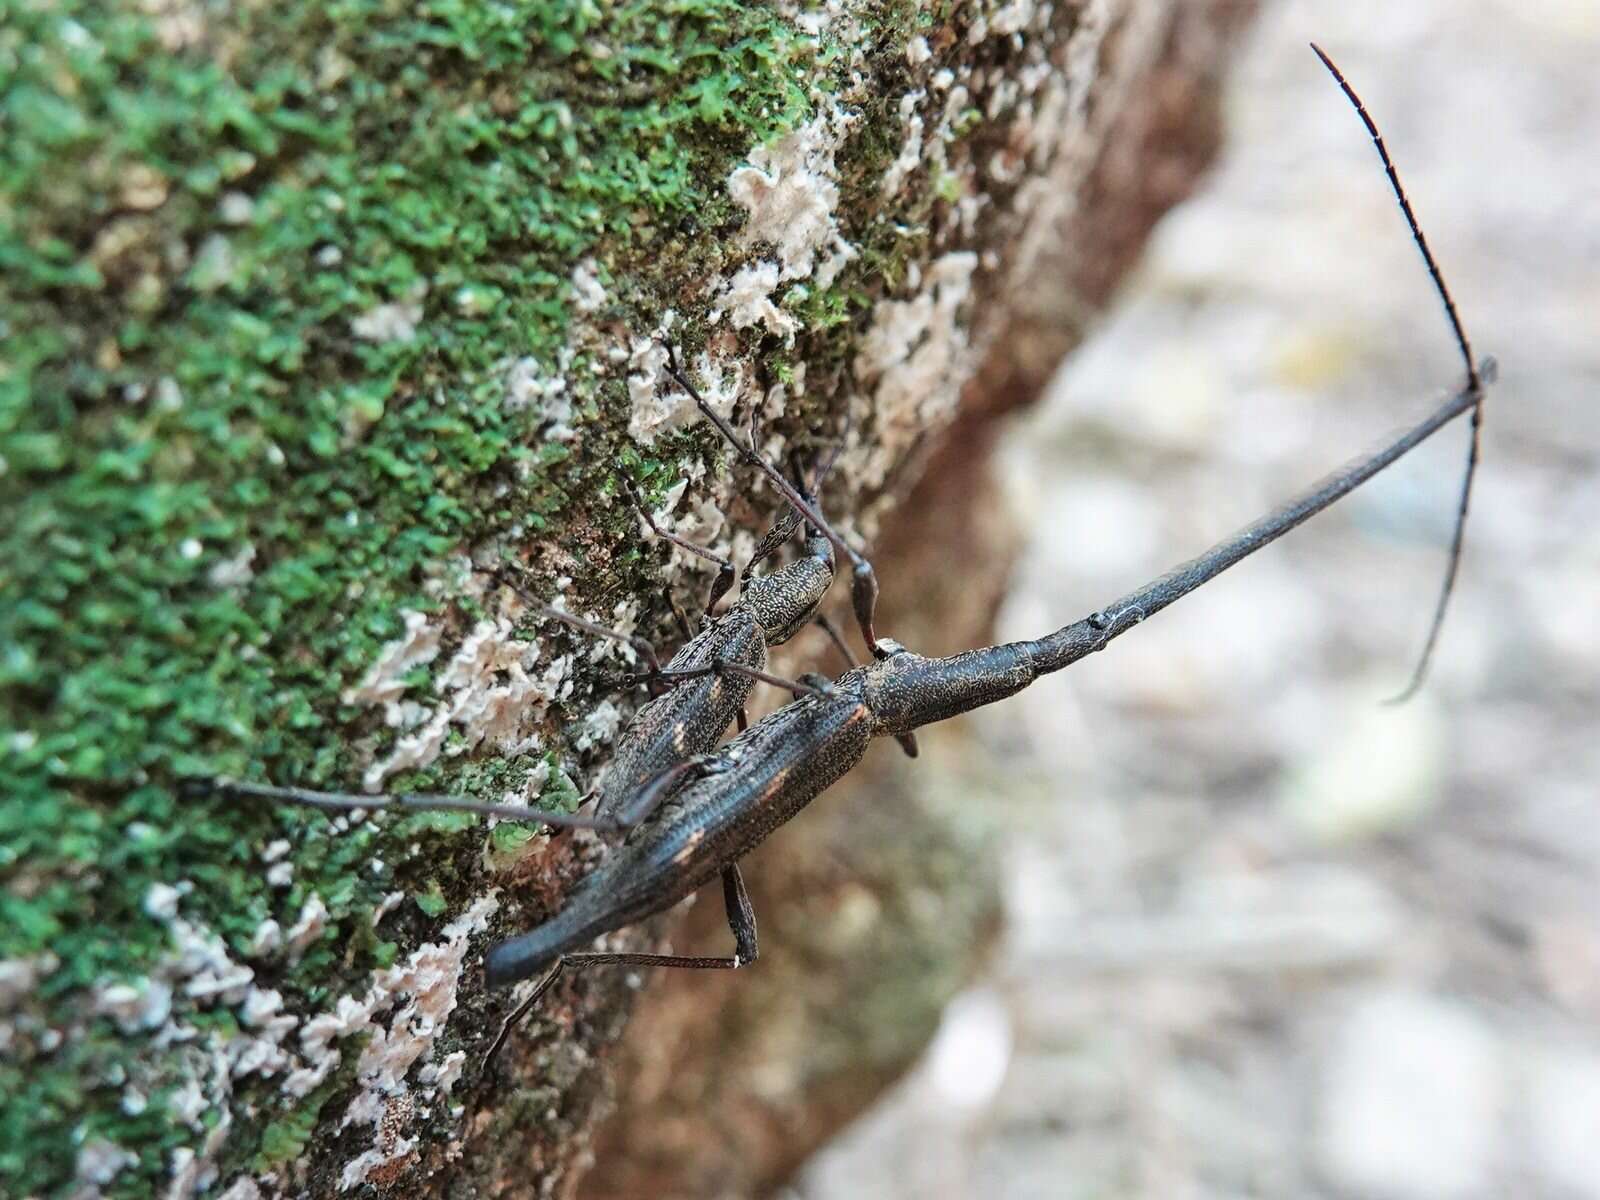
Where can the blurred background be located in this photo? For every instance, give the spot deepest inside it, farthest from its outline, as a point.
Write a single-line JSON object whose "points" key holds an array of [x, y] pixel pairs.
{"points": [[1265, 936]]}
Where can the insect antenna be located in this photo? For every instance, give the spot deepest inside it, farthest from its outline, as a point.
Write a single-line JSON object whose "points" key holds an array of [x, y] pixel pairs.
{"points": [[1477, 377]]}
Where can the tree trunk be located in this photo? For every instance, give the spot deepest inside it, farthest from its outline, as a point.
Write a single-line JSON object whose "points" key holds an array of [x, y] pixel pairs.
{"points": [[311, 308]]}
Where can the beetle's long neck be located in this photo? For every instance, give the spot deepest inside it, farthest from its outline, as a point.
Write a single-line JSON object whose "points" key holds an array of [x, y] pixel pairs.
{"points": [[1071, 643], [907, 691]]}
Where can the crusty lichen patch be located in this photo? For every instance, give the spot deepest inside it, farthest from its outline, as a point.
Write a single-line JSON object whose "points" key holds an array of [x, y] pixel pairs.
{"points": [[914, 359]]}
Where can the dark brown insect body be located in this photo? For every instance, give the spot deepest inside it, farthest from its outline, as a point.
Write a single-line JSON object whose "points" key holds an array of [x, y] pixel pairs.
{"points": [[757, 782], [692, 717], [774, 769]]}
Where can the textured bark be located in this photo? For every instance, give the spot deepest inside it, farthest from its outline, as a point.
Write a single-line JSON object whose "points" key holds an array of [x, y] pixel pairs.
{"points": [[881, 904], [310, 306]]}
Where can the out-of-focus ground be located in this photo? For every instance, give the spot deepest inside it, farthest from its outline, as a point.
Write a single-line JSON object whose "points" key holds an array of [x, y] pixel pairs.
{"points": [[1267, 937]]}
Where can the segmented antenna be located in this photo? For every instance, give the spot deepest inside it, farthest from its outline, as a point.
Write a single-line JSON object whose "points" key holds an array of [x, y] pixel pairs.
{"points": [[1475, 378]]}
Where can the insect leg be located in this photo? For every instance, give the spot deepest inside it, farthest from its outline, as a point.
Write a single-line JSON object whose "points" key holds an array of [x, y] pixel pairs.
{"points": [[681, 620], [783, 528], [741, 920], [641, 646], [825, 623], [644, 802], [726, 571], [723, 666], [639, 806], [863, 580]]}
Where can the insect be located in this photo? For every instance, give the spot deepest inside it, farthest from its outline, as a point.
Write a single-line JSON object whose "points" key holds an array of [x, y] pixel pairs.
{"points": [[695, 817], [703, 688], [706, 683]]}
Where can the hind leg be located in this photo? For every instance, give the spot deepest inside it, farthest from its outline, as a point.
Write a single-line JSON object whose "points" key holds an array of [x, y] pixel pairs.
{"points": [[741, 920]]}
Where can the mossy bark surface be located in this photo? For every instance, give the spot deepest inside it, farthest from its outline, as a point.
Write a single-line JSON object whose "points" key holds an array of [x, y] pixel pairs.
{"points": [[309, 309]]}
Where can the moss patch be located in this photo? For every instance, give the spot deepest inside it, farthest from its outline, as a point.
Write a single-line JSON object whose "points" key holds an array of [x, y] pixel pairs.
{"points": [[264, 268]]}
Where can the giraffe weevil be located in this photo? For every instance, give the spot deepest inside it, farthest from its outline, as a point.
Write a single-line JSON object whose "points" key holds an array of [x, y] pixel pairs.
{"points": [[693, 819]]}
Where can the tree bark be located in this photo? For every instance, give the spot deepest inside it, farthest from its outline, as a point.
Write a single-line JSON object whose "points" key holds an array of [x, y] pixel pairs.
{"points": [[726, 1085], [311, 310]]}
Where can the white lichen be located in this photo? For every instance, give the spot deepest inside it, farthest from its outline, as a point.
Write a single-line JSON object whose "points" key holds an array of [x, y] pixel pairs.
{"points": [[490, 685], [1013, 17], [309, 926], [789, 191], [702, 522], [208, 984], [144, 1005], [200, 952], [600, 726], [910, 156], [444, 1074], [403, 1013], [490, 694], [388, 904], [746, 300], [236, 208], [364, 1164], [529, 387], [20, 976], [587, 294], [260, 1006], [188, 1103], [243, 1188], [915, 358], [653, 411], [384, 682], [266, 940], [660, 406], [393, 322], [235, 571], [196, 972], [100, 1161]]}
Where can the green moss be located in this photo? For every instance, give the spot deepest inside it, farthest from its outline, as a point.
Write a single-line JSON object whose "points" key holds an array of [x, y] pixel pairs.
{"points": [[431, 902], [284, 1139], [191, 219]]}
